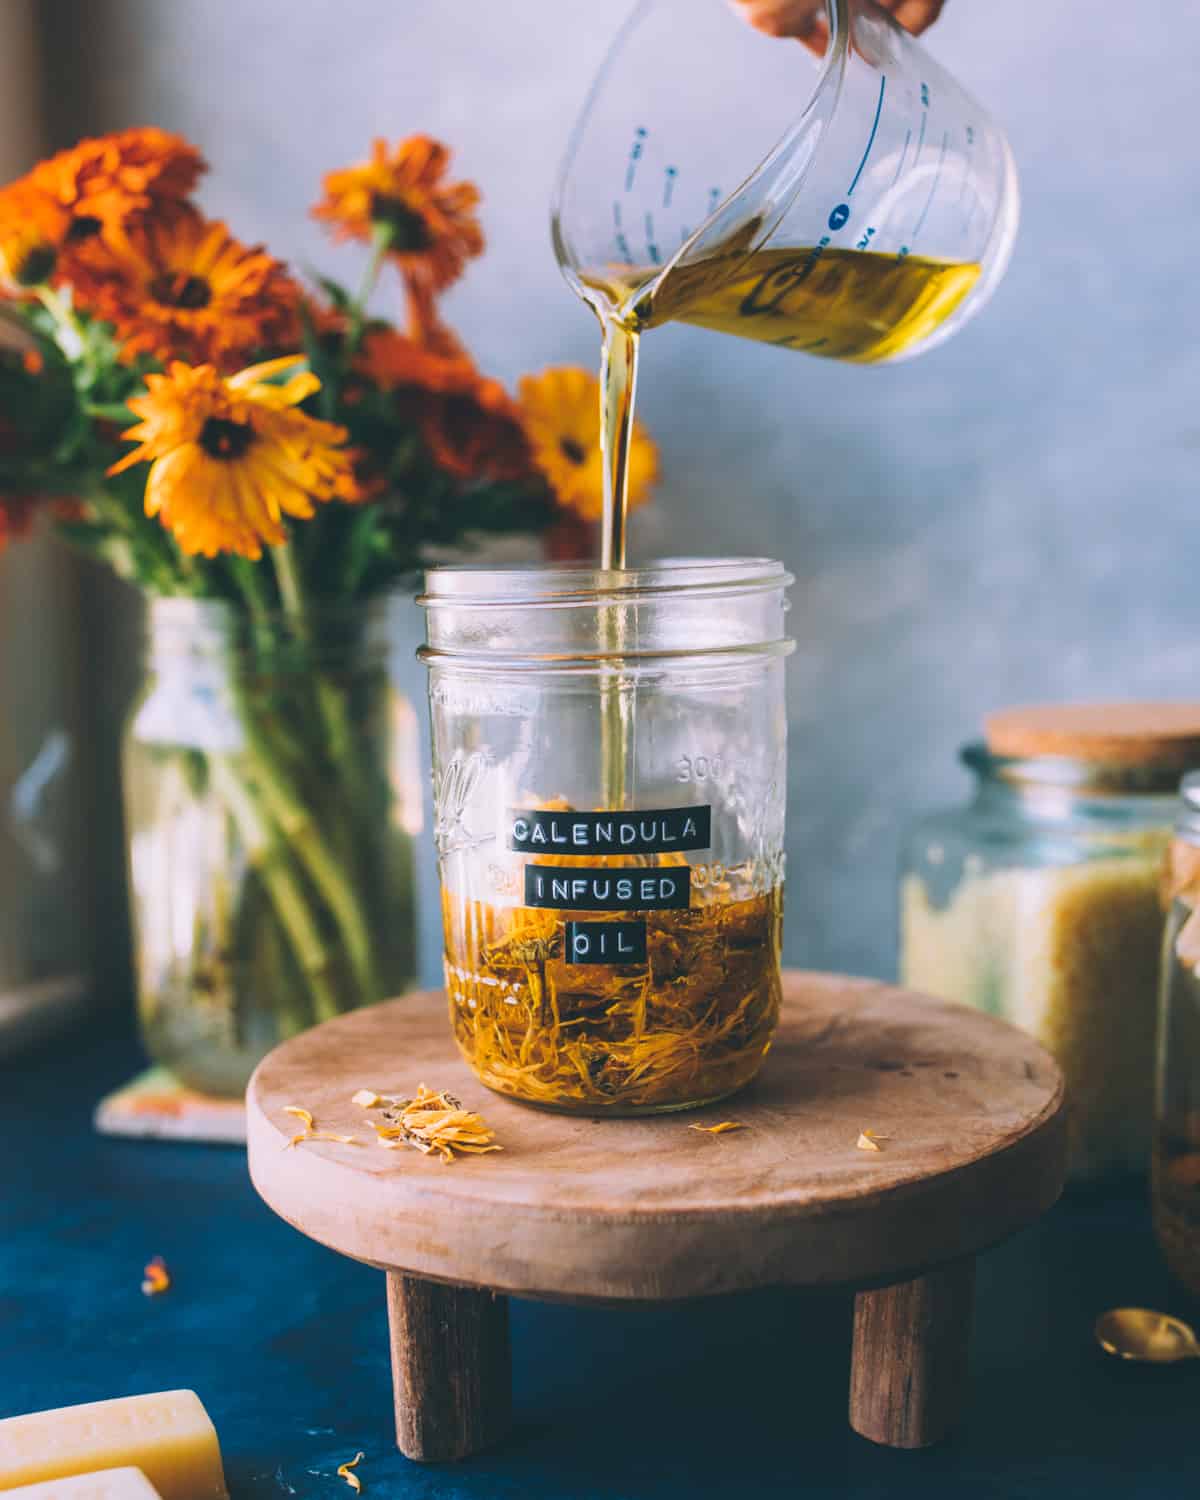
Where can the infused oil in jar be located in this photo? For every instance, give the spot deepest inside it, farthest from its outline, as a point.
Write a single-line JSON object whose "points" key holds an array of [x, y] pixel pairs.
{"points": [[600, 958]]}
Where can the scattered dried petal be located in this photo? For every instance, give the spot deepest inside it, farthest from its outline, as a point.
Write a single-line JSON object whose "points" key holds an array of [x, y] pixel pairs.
{"points": [[156, 1277], [719, 1129], [432, 1123], [367, 1099], [352, 1480], [866, 1142], [310, 1134]]}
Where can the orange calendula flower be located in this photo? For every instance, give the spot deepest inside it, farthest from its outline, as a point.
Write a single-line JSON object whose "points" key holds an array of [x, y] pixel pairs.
{"points": [[106, 182], [394, 362], [560, 410], [401, 200], [184, 288], [231, 457], [476, 433], [32, 231], [470, 425]]}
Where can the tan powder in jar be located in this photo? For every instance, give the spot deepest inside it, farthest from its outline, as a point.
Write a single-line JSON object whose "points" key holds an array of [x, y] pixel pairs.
{"points": [[1071, 955]]}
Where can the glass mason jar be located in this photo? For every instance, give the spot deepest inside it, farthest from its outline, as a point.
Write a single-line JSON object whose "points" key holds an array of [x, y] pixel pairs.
{"points": [[1038, 901], [1176, 1173], [272, 794], [609, 778]]}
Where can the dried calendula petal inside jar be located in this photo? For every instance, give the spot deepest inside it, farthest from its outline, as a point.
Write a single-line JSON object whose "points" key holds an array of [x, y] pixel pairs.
{"points": [[688, 1024]]}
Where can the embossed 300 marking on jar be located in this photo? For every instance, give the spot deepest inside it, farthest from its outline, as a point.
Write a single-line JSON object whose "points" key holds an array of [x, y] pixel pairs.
{"points": [[611, 959]]}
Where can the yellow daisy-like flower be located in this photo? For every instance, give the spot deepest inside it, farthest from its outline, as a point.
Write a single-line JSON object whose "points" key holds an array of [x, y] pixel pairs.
{"points": [[400, 199], [561, 414], [182, 287], [231, 457]]}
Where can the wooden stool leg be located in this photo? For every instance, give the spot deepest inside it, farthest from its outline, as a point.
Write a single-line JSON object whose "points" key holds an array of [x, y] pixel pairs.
{"points": [[451, 1371], [908, 1372]]}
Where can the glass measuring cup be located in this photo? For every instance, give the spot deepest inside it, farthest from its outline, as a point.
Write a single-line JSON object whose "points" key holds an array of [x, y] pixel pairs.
{"points": [[857, 205]]}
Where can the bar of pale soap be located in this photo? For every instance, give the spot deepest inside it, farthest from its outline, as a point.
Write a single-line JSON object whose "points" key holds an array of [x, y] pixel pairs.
{"points": [[167, 1435], [112, 1484]]}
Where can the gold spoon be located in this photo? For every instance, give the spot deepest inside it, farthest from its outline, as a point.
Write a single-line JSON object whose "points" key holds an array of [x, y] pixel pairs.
{"points": [[1148, 1337]]}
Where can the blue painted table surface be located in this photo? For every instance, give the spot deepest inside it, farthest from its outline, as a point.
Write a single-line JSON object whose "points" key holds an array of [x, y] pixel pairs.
{"points": [[287, 1344]]}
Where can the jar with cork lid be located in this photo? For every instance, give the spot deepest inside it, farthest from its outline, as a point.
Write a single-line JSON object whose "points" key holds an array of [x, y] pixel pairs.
{"points": [[1039, 900]]}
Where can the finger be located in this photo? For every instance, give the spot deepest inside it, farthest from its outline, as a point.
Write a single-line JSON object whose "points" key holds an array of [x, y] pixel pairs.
{"points": [[796, 18], [915, 15]]}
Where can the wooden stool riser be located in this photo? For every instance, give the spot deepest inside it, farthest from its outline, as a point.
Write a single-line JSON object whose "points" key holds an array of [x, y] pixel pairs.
{"points": [[599, 1213]]}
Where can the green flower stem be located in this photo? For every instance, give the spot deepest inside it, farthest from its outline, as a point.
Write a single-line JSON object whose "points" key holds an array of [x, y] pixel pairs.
{"points": [[276, 974], [302, 834], [248, 577], [269, 857], [267, 966], [283, 804], [328, 701], [68, 331], [380, 244]]}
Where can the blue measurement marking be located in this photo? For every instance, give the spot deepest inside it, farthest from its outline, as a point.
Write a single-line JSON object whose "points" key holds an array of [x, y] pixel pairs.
{"points": [[903, 157], [966, 171], [651, 244], [921, 139], [619, 234], [871, 140], [635, 155], [714, 198], [937, 177], [669, 186]]}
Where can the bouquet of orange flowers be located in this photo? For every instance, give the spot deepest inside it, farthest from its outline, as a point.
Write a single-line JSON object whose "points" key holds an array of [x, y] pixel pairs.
{"points": [[260, 404], [293, 453]]}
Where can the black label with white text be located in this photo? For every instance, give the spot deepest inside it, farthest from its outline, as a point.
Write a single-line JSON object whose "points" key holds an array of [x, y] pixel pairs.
{"points": [[606, 942], [579, 888], [535, 831]]}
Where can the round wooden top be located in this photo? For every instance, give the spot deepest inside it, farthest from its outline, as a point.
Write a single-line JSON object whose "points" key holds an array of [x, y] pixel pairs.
{"points": [[1115, 734], [604, 1209]]}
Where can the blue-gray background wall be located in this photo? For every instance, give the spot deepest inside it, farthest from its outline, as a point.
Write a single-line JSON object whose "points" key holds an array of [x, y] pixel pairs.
{"points": [[1010, 518]]}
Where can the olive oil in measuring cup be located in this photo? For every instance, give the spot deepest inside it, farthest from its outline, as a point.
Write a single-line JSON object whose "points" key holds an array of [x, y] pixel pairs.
{"points": [[857, 206], [854, 305]]}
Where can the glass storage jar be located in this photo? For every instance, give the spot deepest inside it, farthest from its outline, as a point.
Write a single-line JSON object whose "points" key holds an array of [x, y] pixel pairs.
{"points": [[1039, 901], [272, 794], [1176, 1179], [610, 775]]}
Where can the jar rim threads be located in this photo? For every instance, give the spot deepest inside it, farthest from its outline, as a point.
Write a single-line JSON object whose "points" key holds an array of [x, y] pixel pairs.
{"points": [[570, 618]]}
